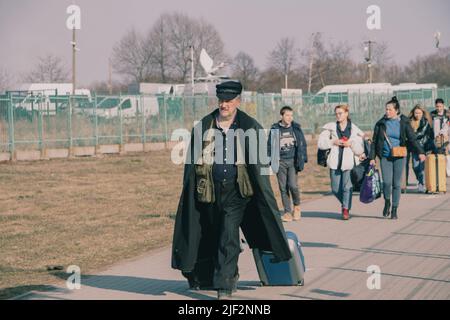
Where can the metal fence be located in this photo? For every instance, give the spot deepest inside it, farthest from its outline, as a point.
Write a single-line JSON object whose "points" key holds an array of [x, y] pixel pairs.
{"points": [[35, 122]]}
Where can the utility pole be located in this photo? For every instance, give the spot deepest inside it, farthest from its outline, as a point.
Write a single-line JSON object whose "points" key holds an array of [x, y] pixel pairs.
{"points": [[192, 69], [74, 50], [368, 58], [311, 59]]}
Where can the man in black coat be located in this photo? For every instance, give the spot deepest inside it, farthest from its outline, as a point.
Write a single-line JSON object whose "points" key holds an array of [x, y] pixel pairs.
{"points": [[220, 198]]}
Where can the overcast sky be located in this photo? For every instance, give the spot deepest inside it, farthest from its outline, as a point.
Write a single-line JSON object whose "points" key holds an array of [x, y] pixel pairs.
{"points": [[31, 28]]}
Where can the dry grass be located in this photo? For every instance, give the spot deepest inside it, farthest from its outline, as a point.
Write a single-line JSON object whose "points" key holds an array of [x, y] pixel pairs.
{"points": [[93, 212]]}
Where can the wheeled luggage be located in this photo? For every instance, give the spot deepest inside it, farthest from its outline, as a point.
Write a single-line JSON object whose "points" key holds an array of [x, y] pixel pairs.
{"points": [[285, 273], [435, 173]]}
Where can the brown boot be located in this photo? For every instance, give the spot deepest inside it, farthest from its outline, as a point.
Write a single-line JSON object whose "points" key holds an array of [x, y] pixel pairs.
{"points": [[287, 217], [297, 213]]}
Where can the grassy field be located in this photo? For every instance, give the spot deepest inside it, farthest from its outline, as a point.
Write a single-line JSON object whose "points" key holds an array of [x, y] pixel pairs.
{"points": [[94, 212]]}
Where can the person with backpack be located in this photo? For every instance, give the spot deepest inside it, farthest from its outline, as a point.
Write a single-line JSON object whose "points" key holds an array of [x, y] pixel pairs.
{"points": [[391, 135], [422, 125], [344, 140], [290, 142]]}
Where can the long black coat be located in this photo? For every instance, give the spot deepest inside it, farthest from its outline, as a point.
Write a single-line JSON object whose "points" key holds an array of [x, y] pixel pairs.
{"points": [[262, 226]]}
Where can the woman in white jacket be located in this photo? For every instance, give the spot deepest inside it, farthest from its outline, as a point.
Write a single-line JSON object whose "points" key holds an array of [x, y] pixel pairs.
{"points": [[346, 144]]}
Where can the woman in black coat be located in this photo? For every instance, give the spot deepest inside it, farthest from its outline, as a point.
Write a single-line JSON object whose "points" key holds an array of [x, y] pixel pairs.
{"points": [[393, 130], [422, 126]]}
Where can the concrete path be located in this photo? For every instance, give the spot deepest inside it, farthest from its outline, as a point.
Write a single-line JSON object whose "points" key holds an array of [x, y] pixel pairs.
{"points": [[413, 254]]}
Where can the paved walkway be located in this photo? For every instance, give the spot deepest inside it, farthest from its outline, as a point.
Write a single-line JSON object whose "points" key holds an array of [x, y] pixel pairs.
{"points": [[413, 254]]}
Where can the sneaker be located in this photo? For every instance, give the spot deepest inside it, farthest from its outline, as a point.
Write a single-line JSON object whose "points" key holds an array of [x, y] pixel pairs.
{"points": [[345, 214], [287, 217], [421, 188], [297, 213], [224, 294]]}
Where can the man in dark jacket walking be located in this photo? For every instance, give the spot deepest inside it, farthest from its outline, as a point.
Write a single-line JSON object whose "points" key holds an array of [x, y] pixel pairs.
{"points": [[290, 150], [219, 198]]}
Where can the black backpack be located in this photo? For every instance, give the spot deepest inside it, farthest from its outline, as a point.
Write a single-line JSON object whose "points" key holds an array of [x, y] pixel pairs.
{"points": [[322, 157]]}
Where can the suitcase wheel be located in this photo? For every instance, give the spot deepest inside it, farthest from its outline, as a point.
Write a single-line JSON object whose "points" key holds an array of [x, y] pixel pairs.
{"points": [[301, 283]]}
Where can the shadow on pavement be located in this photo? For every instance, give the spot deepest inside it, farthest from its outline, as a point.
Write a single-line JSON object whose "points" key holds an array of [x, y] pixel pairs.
{"points": [[324, 215], [299, 297], [393, 275], [148, 286], [399, 253], [318, 245], [367, 217], [16, 292], [331, 293]]}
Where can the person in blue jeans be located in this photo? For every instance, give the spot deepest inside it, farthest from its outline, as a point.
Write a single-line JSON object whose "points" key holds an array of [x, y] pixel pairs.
{"points": [[290, 143], [422, 125], [393, 130], [345, 142]]}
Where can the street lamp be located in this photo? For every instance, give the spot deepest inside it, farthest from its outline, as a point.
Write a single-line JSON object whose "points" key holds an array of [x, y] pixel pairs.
{"points": [[368, 58]]}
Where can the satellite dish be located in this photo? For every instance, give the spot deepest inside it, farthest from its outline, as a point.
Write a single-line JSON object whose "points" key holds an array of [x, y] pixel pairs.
{"points": [[207, 64], [206, 61]]}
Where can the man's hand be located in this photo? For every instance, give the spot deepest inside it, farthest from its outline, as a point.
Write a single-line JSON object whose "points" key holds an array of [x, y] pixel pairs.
{"points": [[422, 157], [373, 162], [362, 157]]}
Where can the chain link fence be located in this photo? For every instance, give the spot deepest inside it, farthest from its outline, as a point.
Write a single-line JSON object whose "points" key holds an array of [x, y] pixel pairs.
{"points": [[36, 122]]}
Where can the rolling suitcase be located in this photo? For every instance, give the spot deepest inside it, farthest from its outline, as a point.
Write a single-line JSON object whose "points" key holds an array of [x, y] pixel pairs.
{"points": [[435, 177], [285, 273]]}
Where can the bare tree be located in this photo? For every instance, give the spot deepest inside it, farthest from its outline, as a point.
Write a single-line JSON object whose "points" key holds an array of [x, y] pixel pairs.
{"points": [[283, 57], [165, 53], [49, 68], [5, 80], [182, 32], [332, 64], [431, 68], [244, 69], [102, 87], [158, 42], [338, 66], [131, 57]]}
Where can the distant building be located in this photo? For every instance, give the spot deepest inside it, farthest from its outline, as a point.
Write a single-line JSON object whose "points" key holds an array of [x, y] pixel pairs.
{"points": [[156, 88], [204, 85], [386, 88], [52, 89]]}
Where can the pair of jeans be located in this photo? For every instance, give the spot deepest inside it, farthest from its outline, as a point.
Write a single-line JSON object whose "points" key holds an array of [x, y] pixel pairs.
{"points": [[342, 187], [392, 172], [287, 182], [418, 167]]}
